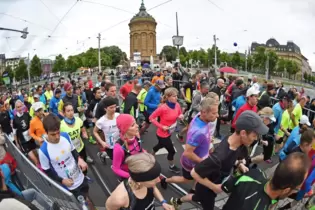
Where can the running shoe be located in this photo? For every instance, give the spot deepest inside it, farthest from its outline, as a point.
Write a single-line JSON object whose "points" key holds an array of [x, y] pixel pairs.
{"points": [[89, 160], [174, 169], [176, 202], [180, 138], [163, 183], [91, 140], [268, 161], [89, 179], [102, 157]]}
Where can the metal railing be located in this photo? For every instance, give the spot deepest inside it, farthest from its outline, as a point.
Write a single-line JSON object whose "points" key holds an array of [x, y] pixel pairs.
{"points": [[31, 177]]}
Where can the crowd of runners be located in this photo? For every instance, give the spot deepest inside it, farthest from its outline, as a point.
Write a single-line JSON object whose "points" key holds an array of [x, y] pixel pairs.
{"points": [[51, 125]]}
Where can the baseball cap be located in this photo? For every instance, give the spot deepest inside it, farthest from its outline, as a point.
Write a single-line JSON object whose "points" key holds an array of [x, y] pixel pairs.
{"points": [[284, 96], [67, 86], [147, 83], [160, 83], [252, 91], [36, 96], [268, 113], [250, 121], [304, 120], [37, 106]]}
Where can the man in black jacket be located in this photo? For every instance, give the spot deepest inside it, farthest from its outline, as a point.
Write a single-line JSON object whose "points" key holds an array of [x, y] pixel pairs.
{"points": [[131, 102], [265, 98], [217, 89]]}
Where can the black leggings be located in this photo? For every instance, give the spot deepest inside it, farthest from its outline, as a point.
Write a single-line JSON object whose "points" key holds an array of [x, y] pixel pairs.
{"points": [[83, 155], [167, 144]]}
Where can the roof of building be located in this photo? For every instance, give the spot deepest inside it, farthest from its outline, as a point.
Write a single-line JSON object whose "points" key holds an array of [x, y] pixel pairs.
{"points": [[273, 43], [2, 56], [142, 14]]}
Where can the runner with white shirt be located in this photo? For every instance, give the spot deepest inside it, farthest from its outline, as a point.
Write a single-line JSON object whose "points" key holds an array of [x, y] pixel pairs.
{"points": [[107, 124], [61, 161]]}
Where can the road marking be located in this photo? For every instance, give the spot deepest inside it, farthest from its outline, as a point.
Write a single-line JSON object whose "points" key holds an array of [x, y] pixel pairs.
{"points": [[163, 151]]}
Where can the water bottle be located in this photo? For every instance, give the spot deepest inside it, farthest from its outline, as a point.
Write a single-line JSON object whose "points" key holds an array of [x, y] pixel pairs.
{"points": [[83, 202]]}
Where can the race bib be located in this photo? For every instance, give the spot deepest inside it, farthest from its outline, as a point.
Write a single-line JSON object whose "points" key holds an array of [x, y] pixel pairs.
{"points": [[110, 139], [73, 171], [26, 135], [172, 128], [76, 143]]}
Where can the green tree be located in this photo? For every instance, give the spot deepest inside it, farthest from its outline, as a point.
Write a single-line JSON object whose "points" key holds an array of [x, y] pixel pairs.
{"points": [[36, 67], [71, 64], [236, 60], [250, 62], [260, 58], [225, 58], [106, 60], [10, 72], [183, 51], [21, 71], [90, 58], [170, 53], [281, 66], [60, 64], [115, 53], [273, 60]]}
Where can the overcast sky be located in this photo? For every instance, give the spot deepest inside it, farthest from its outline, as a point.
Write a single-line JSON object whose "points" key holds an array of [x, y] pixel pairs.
{"points": [[240, 21]]}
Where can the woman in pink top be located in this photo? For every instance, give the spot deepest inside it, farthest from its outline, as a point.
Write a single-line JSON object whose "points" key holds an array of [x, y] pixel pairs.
{"points": [[168, 113], [128, 144]]}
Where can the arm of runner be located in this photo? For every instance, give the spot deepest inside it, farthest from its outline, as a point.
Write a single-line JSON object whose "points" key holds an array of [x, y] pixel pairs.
{"points": [[147, 101], [32, 132], [98, 137], [153, 118], [44, 162], [118, 159], [206, 182], [189, 153], [307, 185], [159, 197]]}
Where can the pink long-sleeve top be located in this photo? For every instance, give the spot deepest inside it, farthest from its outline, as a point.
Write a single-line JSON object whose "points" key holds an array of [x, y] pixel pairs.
{"points": [[168, 117], [119, 167]]}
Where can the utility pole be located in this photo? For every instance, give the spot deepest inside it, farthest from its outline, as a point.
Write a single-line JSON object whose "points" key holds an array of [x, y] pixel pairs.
{"points": [[177, 33], [28, 70], [99, 53], [215, 52], [246, 60]]}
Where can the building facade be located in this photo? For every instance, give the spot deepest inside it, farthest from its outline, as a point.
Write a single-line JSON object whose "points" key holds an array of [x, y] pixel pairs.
{"points": [[143, 35], [47, 66], [290, 51]]}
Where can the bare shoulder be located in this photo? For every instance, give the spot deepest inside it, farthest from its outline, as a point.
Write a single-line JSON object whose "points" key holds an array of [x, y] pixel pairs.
{"points": [[118, 198]]}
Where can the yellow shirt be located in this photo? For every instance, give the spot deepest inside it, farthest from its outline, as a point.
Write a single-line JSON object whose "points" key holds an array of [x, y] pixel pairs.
{"points": [[285, 122], [141, 96], [74, 132], [32, 112], [297, 112]]}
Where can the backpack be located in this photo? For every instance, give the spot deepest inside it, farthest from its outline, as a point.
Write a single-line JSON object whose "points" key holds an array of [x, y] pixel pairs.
{"points": [[126, 151]]}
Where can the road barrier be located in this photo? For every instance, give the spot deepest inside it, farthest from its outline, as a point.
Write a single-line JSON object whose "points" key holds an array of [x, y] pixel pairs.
{"points": [[31, 177]]}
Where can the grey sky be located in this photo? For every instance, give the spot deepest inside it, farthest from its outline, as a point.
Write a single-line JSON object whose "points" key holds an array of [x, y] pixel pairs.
{"points": [[241, 21]]}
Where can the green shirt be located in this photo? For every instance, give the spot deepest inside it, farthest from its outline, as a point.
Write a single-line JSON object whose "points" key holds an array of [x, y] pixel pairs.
{"points": [[297, 112]]}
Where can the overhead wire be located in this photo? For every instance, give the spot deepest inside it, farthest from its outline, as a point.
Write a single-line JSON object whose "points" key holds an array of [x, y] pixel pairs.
{"points": [[109, 6], [53, 14], [214, 4]]}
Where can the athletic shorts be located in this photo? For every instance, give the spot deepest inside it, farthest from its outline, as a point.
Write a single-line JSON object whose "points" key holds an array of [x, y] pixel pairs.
{"points": [[279, 141], [29, 146], [187, 175], [83, 189], [146, 117]]}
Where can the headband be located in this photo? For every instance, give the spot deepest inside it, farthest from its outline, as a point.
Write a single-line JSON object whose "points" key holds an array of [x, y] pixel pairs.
{"points": [[149, 175]]}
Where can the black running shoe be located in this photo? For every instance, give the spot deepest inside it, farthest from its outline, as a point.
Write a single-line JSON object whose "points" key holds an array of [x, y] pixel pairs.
{"points": [[174, 169]]}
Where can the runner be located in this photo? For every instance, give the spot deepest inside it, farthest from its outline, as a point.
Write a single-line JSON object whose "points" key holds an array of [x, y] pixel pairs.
{"points": [[168, 113], [187, 91], [195, 107], [152, 101], [139, 191], [197, 144], [21, 125], [61, 161], [128, 144], [73, 126], [254, 191], [130, 105], [37, 130], [141, 96], [54, 102], [72, 99], [107, 124], [211, 172]]}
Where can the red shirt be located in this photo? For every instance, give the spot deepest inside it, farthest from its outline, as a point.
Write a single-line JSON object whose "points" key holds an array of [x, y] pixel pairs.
{"points": [[90, 84], [229, 90], [126, 89], [241, 110]]}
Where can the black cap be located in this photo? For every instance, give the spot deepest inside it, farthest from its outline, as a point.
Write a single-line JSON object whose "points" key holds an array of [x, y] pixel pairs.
{"points": [[103, 84], [250, 121], [284, 96]]}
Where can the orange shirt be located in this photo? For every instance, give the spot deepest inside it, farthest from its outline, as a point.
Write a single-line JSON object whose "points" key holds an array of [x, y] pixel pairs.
{"points": [[37, 129], [155, 78]]}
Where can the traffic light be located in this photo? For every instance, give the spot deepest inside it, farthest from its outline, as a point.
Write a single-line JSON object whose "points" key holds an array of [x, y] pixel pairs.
{"points": [[24, 33]]}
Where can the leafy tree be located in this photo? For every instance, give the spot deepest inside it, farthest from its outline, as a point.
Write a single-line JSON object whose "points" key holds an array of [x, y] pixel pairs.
{"points": [[273, 60], [224, 57], [250, 62], [21, 71], [260, 58], [60, 64], [71, 64], [281, 67], [170, 53], [236, 60], [10, 72], [106, 60], [90, 58], [36, 67], [183, 51], [115, 53]]}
